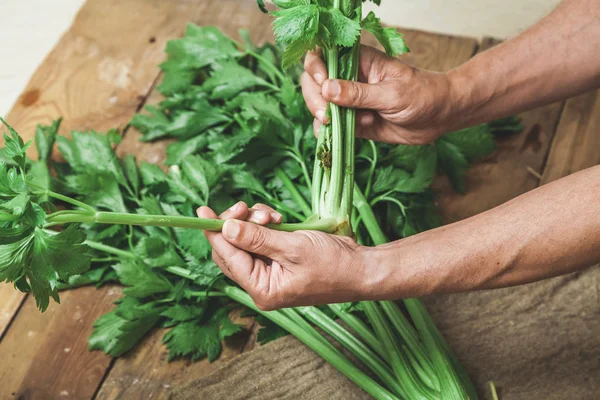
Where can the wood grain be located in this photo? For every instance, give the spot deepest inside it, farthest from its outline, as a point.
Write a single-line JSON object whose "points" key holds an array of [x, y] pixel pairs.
{"points": [[48, 354], [503, 175], [534, 341], [147, 365], [576, 145], [97, 77]]}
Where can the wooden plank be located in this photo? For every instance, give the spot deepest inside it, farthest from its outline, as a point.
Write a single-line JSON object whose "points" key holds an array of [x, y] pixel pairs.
{"points": [[576, 145], [44, 350], [505, 174], [147, 365], [538, 340], [96, 78]]}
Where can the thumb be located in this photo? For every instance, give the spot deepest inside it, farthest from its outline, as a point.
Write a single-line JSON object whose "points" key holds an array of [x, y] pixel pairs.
{"points": [[356, 94], [255, 238]]}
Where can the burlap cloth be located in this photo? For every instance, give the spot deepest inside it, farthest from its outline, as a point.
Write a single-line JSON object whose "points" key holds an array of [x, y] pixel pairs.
{"points": [[538, 341]]}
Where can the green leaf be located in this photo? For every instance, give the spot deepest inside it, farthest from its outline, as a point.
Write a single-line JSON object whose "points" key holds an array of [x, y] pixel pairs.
{"points": [[142, 281], [91, 152], [475, 142], [229, 79], [391, 179], [14, 147], [131, 172], [182, 313], [44, 139], [11, 181], [176, 151], [261, 5], [99, 189], [453, 162], [297, 27], [37, 261], [201, 46], [115, 335], [391, 40], [201, 173], [199, 341], [268, 331], [342, 30]]}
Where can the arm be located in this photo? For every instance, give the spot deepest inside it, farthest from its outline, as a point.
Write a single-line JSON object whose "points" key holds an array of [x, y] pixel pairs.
{"points": [[555, 59], [550, 231]]}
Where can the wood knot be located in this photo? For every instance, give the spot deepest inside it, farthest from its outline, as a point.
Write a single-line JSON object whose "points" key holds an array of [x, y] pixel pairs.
{"points": [[30, 97]]}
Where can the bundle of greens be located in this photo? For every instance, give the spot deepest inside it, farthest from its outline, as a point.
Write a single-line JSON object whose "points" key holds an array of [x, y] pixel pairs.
{"points": [[241, 131]]}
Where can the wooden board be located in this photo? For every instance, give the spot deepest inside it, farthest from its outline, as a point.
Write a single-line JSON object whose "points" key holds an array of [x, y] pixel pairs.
{"points": [[105, 68], [148, 363], [97, 77], [537, 340]]}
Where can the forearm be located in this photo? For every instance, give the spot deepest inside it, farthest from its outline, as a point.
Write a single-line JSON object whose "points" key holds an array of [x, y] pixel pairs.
{"points": [[547, 232], [555, 59]]}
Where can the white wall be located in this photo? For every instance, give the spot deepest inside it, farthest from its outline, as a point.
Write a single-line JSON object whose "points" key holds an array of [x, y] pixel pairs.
{"points": [[30, 28], [498, 18], [28, 31]]}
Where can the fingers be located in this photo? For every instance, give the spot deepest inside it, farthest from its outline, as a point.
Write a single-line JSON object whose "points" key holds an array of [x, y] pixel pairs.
{"points": [[311, 91], [239, 210], [235, 263], [357, 95], [262, 214], [315, 66], [258, 240]]}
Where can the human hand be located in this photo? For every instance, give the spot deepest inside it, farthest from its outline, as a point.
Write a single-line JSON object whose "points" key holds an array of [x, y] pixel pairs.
{"points": [[283, 269], [397, 103]]}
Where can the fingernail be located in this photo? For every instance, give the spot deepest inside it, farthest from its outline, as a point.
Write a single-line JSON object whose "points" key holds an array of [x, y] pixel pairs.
{"points": [[319, 78], [235, 206], [231, 229], [321, 115], [258, 216], [333, 88]]}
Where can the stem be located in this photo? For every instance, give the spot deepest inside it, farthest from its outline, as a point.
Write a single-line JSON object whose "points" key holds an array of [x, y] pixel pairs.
{"points": [[205, 294], [450, 382], [294, 192], [359, 349], [394, 356], [350, 134], [69, 200], [359, 327], [337, 144], [327, 225], [371, 169], [110, 250], [293, 315], [298, 157], [408, 334], [368, 217], [337, 360], [493, 390], [318, 173]]}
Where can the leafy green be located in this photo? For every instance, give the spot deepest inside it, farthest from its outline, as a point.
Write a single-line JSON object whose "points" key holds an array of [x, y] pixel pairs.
{"points": [[200, 340], [391, 40]]}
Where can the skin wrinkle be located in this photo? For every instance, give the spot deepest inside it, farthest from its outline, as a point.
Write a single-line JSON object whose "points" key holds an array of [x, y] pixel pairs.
{"points": [[549, 231]]}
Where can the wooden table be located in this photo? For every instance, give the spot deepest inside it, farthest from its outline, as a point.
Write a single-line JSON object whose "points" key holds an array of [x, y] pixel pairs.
{"points": [[538, 341]]}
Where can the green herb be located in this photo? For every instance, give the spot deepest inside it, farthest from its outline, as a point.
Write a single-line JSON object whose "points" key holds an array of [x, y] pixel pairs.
{"points": [[250, 140]]}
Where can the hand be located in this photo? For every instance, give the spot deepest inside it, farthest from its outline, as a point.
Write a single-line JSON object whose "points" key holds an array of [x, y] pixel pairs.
{"points": [[282, 269], [398, 103]]}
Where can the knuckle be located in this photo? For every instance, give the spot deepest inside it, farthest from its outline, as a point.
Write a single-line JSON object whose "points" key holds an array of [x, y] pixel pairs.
{"points": [[258, 241], [357, 93]]}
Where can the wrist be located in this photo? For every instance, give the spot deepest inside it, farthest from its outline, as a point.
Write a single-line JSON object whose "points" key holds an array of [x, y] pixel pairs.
{"points": [[390, 272], [471, 91]]}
